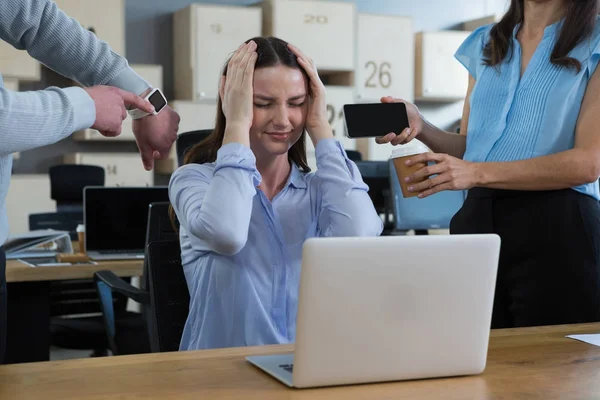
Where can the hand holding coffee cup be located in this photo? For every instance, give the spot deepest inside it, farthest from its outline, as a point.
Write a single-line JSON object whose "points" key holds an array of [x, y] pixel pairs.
{"points": [[441, 172], [400, 155]]}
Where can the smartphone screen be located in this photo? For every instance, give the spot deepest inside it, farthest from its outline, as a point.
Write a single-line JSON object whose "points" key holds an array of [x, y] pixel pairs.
{"points": [[375, 119]]}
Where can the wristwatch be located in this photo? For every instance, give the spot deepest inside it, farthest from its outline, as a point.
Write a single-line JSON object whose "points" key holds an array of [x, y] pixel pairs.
{"points": [[156, 98]]}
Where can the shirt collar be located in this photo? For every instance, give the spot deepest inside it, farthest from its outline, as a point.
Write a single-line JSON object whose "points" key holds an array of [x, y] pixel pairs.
{"points": [[548, 31], [296, 178]]}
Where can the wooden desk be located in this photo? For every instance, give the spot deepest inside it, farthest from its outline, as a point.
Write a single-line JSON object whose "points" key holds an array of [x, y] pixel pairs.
{"points": [[522, 364], [18, 272]]}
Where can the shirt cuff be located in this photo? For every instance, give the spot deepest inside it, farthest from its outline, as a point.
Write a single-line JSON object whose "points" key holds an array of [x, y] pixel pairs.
{"points": [[236, 155], [130, 81], [327, 146], [84, 108]]}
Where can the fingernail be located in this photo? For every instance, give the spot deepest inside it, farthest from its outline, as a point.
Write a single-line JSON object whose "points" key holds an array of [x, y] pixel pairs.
{"points": [[407, 179], [407, 162], [420, 195], [411, 188]]}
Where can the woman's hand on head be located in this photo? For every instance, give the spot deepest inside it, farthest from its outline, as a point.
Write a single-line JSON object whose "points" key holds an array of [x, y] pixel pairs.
{"points": [[415, 122], [317, 121], [236, 88]]}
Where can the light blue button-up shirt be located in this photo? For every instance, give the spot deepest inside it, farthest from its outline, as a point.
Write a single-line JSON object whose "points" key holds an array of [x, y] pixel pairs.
{"points": [[515, 118], [241, 253]]}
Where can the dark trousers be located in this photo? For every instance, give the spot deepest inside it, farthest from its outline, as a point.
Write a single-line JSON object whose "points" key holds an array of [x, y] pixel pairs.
{"points": [[3, 301], [549, 269]]}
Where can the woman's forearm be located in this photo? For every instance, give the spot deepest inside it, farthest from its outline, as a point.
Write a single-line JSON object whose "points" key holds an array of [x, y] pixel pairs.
{"points": [[440, 141], [236, 133], [557, 171]]}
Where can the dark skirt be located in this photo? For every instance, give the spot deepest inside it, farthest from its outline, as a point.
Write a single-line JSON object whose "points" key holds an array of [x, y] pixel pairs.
{"points": [[549, 259]]}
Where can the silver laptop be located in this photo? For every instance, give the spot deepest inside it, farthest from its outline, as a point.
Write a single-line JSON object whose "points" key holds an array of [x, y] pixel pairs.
{"points": [[390, 308], [116, 219]]}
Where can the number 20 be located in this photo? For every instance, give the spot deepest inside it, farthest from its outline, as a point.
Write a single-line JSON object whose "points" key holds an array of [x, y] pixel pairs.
{"points": [[315, 19]]}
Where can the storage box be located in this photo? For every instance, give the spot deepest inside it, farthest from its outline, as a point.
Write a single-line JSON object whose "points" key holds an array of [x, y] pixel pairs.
{"points": [[438, 75], [323, 30], [385, 58], [204, 37]]}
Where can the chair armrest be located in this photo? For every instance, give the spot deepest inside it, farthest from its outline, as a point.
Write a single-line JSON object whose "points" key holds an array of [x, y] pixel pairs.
{"points": [[119, 285]]}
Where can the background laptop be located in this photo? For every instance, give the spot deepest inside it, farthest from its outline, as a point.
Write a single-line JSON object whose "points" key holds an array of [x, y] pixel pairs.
{"points": [[390, 308], [116, 219]]}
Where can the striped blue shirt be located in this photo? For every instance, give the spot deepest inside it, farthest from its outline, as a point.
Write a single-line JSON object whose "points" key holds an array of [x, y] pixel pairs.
{"points": [[241, 252], [514, 118]]}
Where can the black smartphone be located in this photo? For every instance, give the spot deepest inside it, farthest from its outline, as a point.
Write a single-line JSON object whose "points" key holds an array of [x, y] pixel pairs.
{"points": [[374, 119]]}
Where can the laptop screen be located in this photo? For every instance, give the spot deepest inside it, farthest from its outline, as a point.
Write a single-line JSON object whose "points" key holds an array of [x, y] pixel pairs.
{"points": [[116, 217]]}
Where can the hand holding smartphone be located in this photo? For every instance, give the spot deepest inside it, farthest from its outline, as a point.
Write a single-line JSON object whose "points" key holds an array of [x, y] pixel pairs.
{"points": [[375, 119]]}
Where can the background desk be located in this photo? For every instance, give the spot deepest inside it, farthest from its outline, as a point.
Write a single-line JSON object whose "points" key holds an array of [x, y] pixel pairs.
{"points": [[18, 272], [28, 336], [523, 363]]}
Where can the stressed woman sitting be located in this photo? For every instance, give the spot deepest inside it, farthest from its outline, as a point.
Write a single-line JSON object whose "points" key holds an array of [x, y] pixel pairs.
{"points": [[246, 199]]}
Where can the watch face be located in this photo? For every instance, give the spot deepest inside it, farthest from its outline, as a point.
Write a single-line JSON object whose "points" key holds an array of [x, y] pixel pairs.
{"points": [[157, 100]]}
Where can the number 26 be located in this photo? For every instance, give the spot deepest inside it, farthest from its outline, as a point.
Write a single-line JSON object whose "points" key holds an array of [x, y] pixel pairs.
{"points": [[385, 76]]}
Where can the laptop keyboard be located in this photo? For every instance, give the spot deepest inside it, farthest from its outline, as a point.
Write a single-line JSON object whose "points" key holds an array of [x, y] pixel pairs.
{"points": [[288, 367]]}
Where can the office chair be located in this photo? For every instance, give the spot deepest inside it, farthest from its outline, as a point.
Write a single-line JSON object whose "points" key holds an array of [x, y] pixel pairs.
{"points": [[186, 140], [66, 188], [120, 334], [73, 297], [376, 175], [169, 296], [433, 212], [354, 155], [67, 182]]}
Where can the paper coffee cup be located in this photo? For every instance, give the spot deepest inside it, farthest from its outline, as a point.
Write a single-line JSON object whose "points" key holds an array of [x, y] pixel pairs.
{"points": [[81, 237], [402, 153]]}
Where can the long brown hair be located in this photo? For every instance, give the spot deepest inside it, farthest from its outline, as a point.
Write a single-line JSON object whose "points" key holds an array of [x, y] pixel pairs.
{"points": [[271, 51], [578, 24]]}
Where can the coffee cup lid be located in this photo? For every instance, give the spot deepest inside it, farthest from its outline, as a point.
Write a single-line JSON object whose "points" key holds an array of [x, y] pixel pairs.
{"points": [[415, 146], [80, 228]]}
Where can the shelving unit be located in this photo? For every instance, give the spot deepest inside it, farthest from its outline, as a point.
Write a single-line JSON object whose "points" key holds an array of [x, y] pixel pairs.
{"points": [[360, 58]]}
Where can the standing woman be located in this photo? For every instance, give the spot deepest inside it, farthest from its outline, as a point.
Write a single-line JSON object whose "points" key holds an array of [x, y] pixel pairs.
{"points": [[246, 200], [529, 153]]}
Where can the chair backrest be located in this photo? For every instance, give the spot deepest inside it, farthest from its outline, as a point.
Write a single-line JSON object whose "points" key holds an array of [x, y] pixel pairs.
{"points": [[185, 140], [169, 296], [67, 182], [354, 155], [159, 228], [433, 212]]}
